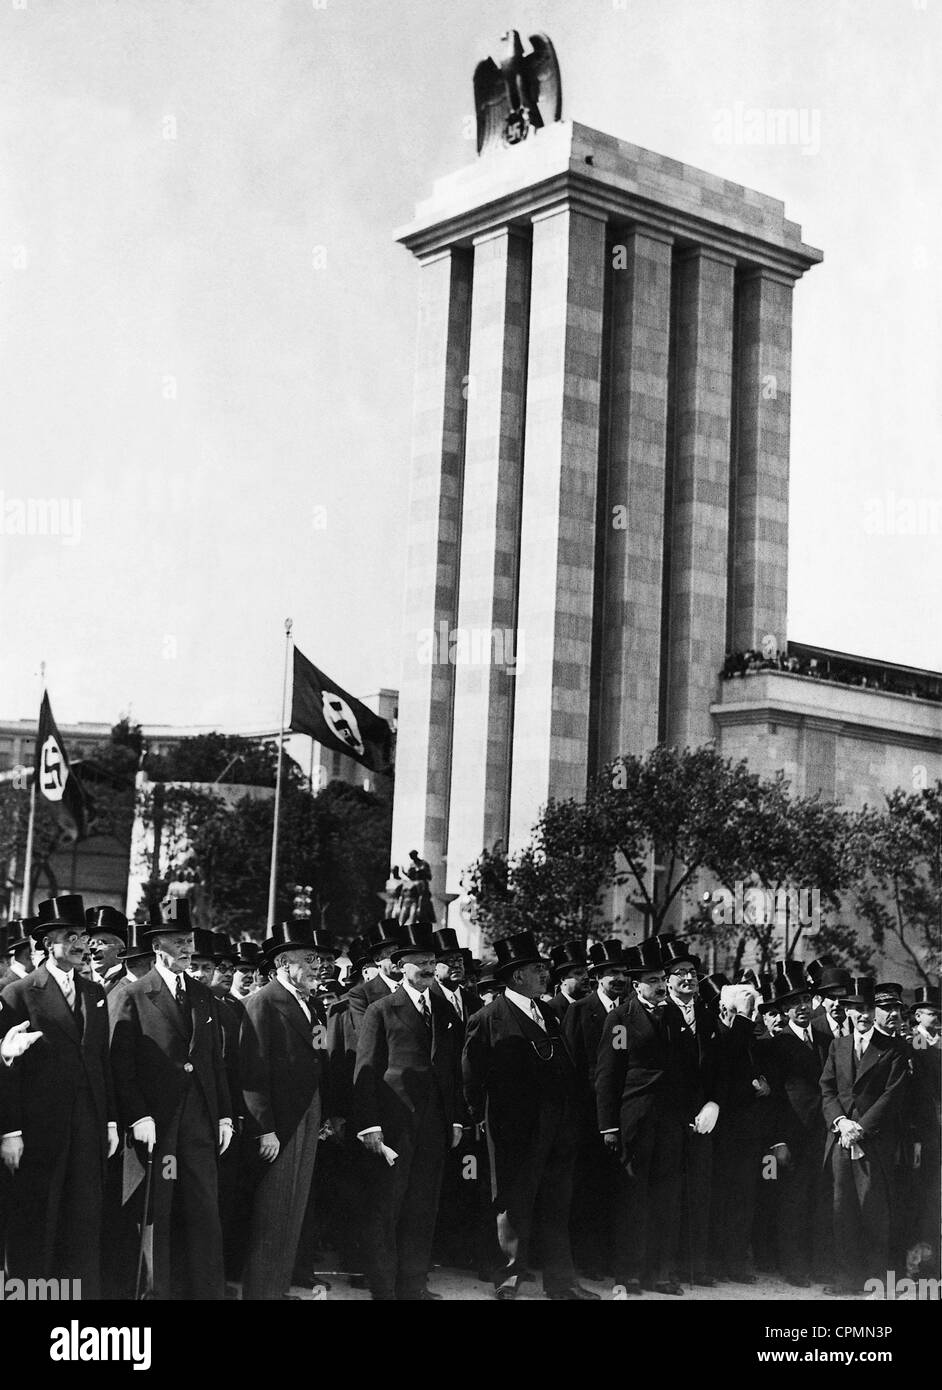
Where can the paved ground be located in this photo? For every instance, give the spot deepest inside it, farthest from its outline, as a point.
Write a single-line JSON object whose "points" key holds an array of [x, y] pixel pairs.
{"points": [[458, 1285]]}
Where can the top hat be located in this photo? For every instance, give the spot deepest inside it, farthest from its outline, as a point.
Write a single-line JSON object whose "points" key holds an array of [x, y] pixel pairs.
{"points": [[863, 992], [325, 942], [136, 944], [171, 915], [833, 982], [445, 942], [467, 955], [384, 934], [297, 934], [644, 958], [248, 956], [359, 953], [816, 968], [68, 910], [674, 953], [606, 955], [570, 956], [926, 997], [223, 948], [412, 940], [710, 987], [18, 932], [790, 982], [99, 920], [514, 951], [204, 943]]}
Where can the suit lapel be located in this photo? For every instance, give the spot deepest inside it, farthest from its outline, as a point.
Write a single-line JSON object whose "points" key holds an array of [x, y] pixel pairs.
{"points": [[160, 995], [286, 1004], [525, 1024], [54, 1002], [410, 1015]]}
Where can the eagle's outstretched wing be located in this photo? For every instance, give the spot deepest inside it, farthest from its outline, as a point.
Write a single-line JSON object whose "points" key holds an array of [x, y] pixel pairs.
{"points": [[542, 67], [491, 104]]}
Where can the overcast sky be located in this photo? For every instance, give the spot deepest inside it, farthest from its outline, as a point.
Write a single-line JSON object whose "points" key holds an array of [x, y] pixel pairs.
{"points": [[207, 330]]}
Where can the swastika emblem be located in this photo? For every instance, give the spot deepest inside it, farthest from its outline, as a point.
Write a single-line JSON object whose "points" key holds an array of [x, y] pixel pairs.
{"points": [[53, 773], [342, 721]]}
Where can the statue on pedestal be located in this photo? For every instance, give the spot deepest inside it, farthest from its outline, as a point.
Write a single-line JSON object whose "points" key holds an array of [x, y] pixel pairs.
{"points": [[416, 907]]}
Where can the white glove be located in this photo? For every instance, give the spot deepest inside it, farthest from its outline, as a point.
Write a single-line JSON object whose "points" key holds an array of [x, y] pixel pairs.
{"points": [[226, 1131], [18, 1041], [145, 1132], [707, 1118], [112, 1138], [11, 1151]]}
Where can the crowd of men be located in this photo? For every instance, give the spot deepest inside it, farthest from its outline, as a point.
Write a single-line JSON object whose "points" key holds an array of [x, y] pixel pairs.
{"points": [[179, 1112]]}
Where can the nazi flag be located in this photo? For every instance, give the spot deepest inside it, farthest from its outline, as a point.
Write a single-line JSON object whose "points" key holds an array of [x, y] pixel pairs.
{"points": [[55, 780]]}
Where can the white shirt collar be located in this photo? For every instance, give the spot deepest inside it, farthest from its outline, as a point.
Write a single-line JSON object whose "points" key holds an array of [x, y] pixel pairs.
{"points": [[799, 1032], [390, 984], [305, 1003], [524, 1004], [415, 995], [862, 1040], [61, 977], [931, 1038], [169, 977], [607, 1004], [19, 969]]}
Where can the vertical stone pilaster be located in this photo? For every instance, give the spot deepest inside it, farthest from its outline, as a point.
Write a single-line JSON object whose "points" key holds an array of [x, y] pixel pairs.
{"points": [[633, 544], [423, 754], [700, 512], [759, 576], [557, 565], [490, 538]]}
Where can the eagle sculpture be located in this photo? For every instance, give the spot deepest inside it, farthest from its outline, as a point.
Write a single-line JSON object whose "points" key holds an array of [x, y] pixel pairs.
{"points": [[520, 93]]}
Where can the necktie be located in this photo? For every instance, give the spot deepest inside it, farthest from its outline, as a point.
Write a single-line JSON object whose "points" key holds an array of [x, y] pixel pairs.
{"points": [[808, 1037], [423, 1012], [537, 1017], [859, 1048], [68, 989]]}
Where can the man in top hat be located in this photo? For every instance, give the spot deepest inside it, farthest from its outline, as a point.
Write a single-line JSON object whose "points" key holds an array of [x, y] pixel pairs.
{"points": [[925, 1057], [246, 972], [489, 987], [794, 1059], [863, 1085], [107, 937], [569, 973], [58, 1118], [828, 1017], [174, 1095], [382, 942], [224, 958], [740, 1133], [451, 973], [519, 1078], [458, 1206], [285, 1076], [407, 1103], [700, 1089], [642, 1119], [136, 959], [597, 1173]]}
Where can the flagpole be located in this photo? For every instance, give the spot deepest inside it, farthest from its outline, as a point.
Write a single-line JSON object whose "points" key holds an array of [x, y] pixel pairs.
{"points": [[273, 875], [26, 895]]}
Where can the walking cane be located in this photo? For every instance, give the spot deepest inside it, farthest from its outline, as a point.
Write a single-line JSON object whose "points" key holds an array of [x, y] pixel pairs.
{"points": [[139, 1292]]}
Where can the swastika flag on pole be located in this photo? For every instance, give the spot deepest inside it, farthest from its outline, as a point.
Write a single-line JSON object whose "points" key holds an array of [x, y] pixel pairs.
{"points": [[322, 710], [57, 783]]}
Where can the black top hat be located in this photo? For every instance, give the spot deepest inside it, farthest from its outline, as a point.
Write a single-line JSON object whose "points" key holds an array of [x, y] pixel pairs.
{"points": [[248, 956], [606, 955], [204, 943], [467, 955], [710, 987], [643, 958], [413, 939], [816, 968], [137, 944], [68, 910], [791, 981], [223, 948], [833, 982], [926, 997], [325, 941], [570, 956], [106, 919], [295, 934], [18, 933], [172, 915], [674, 953], [863, 991], [359, 952], [383, 935], [514, 951], [446, 942]]}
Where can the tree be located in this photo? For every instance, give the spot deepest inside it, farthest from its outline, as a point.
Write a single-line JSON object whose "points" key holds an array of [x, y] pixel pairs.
{"points": [[895, 859]]}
